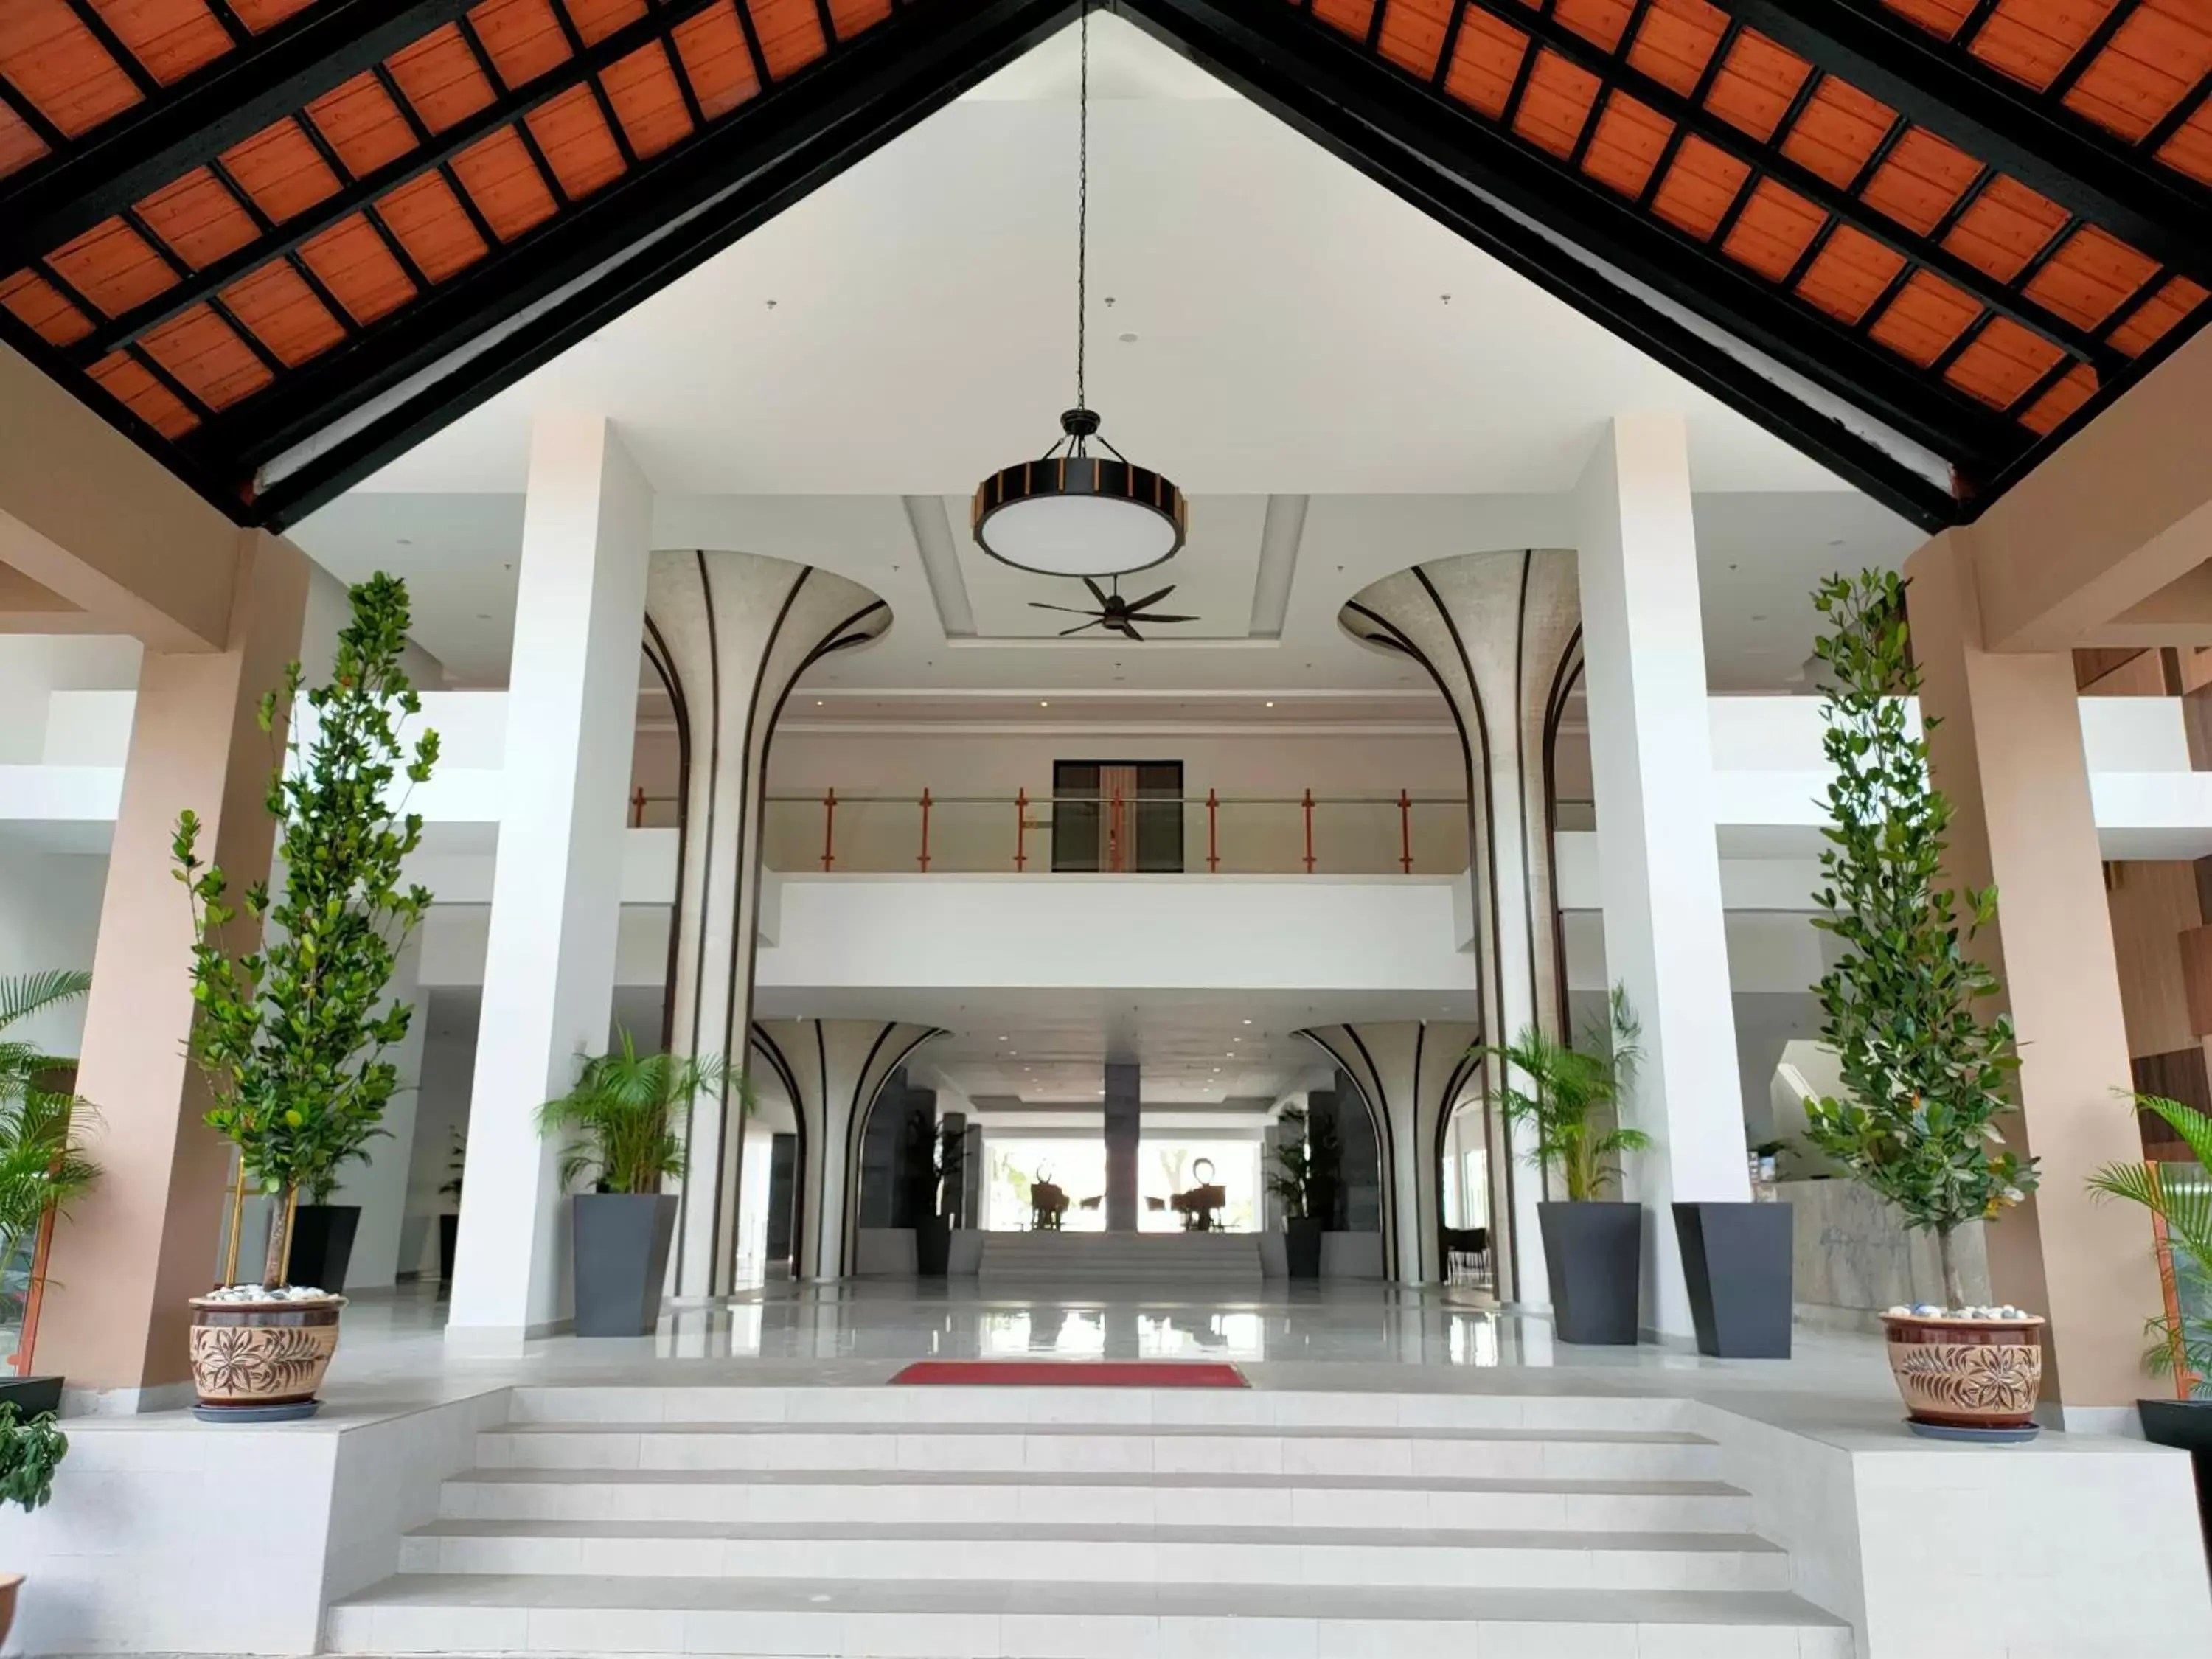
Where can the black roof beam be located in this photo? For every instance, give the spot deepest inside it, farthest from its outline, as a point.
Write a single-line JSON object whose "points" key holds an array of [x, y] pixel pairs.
{"points": [[433, 152], [589, 265], [1420, 149], [1366, 110], [2042, 143], [1690, 115], [187, 125]]}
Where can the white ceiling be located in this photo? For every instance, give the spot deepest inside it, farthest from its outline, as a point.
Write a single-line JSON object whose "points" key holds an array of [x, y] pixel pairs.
{"points": [[910, 326]]}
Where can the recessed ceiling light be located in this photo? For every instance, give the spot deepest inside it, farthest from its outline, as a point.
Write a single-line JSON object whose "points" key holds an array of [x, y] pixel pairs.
{"points": [[1271, 702], [817, 702], [1248, 1021], [1043, 704]]}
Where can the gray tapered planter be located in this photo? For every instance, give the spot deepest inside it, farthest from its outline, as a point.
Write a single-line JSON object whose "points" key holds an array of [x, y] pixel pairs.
{"points": [[621, 1242], [1736, 1264], [1594, 1258]]}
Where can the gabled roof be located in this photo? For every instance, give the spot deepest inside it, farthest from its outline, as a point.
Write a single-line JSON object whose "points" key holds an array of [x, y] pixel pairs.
{"points": [[280, 240]]}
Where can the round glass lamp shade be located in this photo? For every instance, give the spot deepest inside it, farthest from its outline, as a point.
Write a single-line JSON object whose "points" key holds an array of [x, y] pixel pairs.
{"points": [[1079, 515]]}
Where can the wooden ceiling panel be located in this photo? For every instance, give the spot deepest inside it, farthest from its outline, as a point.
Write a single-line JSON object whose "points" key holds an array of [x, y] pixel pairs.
{"points": [[1352, 16], [1678, 37], [2189, 150], [849, 17], [1556, 104], [2062, 402], [276, 304], [1487, 63], [523, 36], [1838, 131], [2164, 309], [1776, 227], [1629, 139], [505, 185], [2090, 275], [206, 356], [39, 305], [438, 77], [1699, 188], [1942, 17], [1757, 84], [171, 37], [362, 123], [133, 385], [1413, 34], [1602, 22], [433, 226], [574, 135], [2003, 361], [790, 34], [1923, 177], [595, 20], [2005, 226], [53, 59], [1851, 271], [112, 266], [647, 101], [2031, 40], [19, 145], [198, 217], [282, 170], [354, 263], [2162, 50], [260, 14], [712, 47], [1927, 315]]}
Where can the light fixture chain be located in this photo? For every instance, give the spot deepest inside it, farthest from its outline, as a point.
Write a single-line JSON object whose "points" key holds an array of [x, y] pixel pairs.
{"points": [[1082, 202]]}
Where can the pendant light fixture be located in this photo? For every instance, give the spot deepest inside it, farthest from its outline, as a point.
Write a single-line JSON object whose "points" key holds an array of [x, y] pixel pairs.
{"points": [[1071, 512]]}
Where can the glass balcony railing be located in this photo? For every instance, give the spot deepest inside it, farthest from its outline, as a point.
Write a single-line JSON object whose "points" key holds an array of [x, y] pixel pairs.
{"points": [[926, 833]]}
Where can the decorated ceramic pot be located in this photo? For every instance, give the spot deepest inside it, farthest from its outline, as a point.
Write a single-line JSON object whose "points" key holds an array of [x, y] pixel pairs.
{"points": [[263, 1360], [1967, 1373]]}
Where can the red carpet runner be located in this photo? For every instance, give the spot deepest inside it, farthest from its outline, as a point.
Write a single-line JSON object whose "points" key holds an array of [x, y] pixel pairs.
{"points": [[1072, 1374]]}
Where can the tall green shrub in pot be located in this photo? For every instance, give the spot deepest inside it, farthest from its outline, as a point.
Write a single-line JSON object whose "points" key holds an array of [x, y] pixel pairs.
{"points": [[1926, 1062], [293, 1036]]}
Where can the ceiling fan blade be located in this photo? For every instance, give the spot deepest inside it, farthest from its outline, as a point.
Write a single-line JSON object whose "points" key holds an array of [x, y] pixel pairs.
{"points": [[1039, 604], [1151, 599], [1168, 618], [1097, 591], [1131, 633], [1078, 628]]}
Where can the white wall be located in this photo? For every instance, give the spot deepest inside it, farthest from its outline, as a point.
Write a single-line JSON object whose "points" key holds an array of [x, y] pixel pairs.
{"points": [[49, 917], [32, 667]]}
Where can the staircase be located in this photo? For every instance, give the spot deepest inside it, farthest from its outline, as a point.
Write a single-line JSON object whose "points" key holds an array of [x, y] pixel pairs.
{"points": [[1052, 1524], [1210, 1259]]}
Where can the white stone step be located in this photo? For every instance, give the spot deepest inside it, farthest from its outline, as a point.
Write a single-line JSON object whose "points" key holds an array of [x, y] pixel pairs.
{"points": [[1553, 1559], [960, 1405], [1486, 1453], [978, 1620], [779, 1496]]}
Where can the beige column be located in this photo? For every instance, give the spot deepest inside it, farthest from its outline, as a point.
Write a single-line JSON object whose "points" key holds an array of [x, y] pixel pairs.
{"points": [[2008, 755], [138, 1245]]}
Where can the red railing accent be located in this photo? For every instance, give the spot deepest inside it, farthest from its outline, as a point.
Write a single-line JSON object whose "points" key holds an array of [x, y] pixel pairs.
{"points": [[1213, 844], [637, 807], [1310, 857], [1021, 828], [925, 830], [1405, 832], [1114, 836], [830, 829]]}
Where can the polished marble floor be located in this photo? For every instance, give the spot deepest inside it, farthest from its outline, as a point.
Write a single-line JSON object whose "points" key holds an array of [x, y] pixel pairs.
{"points": [[1367, 1337]]}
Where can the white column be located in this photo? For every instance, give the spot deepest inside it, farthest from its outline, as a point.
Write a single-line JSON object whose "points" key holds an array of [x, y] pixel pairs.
{"points": [[549, 965], [1652, 761], [379, 1185]]}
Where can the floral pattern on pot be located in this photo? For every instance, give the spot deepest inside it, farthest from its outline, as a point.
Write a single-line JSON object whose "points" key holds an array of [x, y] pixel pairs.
{"points": [[270, 1353], [1967, 1373]]}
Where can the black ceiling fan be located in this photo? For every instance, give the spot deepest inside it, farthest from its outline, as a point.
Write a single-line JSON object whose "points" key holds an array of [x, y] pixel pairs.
{"points": [[1115, 614]]}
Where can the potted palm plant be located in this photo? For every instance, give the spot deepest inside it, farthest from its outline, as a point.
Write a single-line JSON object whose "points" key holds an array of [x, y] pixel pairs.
{"points": [[43, 1165], [1924, 1071], [2179, 1199], [292, 1035], [29, 1453], [1307, 1157], [1593, 1245], [622, 1120], [449, 1223]]}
